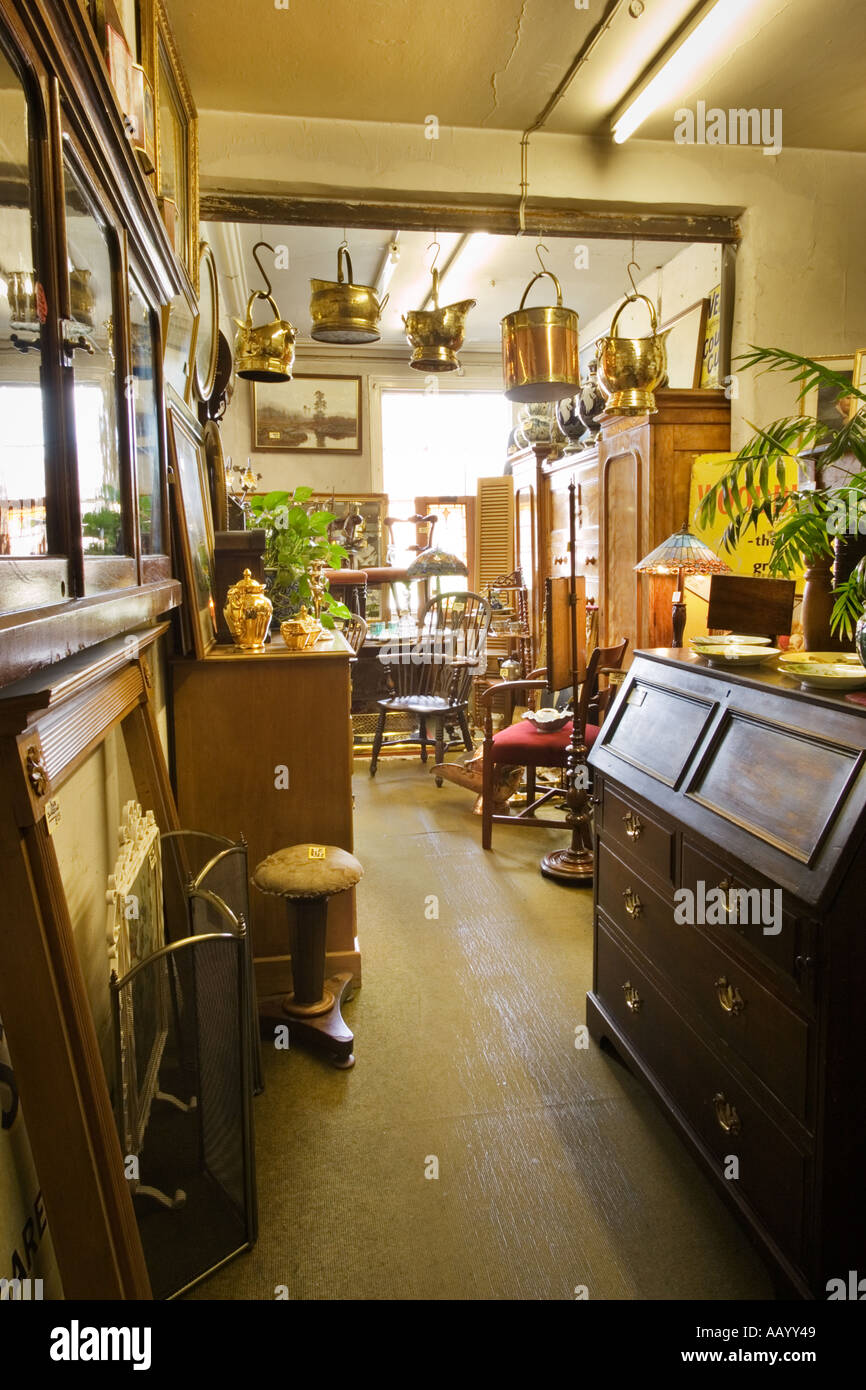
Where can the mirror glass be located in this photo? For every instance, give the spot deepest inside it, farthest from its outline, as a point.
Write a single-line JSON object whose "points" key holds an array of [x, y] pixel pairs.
{"points": [[22, 310], [143, 332]]}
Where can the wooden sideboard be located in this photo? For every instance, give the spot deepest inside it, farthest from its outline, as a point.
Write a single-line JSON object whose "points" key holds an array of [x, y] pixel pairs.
{"points": [[239, 719], [632, 492], [751, 1033]]}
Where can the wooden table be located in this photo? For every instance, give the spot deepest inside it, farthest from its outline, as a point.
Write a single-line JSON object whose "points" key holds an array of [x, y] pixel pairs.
{"points": [[263, 748]]}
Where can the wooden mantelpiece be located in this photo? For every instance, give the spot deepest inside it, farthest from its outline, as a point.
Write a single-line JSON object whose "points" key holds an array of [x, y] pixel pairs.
{"points": [[239, 718], [49, 724]]}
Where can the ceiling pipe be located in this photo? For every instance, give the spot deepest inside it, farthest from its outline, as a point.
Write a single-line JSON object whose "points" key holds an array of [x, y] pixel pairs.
{"points": [[555, 98]]}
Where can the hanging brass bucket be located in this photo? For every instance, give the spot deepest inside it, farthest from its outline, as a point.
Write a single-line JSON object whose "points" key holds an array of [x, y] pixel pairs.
{"points": [[437, 334], [540, 359], [343, 312], [631, 369], [266, 353]]}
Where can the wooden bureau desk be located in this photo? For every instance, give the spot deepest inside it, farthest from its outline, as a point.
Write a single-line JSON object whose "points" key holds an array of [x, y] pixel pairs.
{"points": [[239, 719], [751, 1034]]}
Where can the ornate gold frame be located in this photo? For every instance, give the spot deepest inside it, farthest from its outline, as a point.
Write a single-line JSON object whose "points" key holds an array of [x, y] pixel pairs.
{"points": [[155, 30]]}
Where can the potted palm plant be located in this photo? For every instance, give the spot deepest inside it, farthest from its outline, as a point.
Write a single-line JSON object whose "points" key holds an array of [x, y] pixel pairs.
{"points": [[297, 545], [820, 524]]}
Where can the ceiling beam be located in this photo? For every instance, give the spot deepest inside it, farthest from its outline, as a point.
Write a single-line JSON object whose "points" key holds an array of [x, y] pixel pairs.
{"points": [[283, 209]]}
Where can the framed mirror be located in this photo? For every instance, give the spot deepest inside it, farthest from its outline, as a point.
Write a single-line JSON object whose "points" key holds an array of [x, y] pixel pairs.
{"points": [[207, 343]]}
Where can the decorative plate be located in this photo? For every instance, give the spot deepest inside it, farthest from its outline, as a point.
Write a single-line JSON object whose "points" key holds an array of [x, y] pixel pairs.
{"points": [[733, 655], [792, 659], [824, 676], [732, 637]]}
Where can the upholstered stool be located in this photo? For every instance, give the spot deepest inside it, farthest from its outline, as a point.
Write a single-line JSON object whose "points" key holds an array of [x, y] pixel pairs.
{"points": [[308, 875]]}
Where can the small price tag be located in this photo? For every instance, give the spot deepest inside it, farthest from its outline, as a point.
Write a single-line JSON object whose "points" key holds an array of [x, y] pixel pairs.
{"points": [[316, 851], [52, 816], [636, 696]]}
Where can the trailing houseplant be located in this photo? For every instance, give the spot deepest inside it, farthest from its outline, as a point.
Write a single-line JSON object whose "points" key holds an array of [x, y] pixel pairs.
{"points": [[297, 541], [809, 522]]}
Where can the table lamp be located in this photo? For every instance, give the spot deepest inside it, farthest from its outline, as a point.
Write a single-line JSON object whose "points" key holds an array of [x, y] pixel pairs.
{"points": [[433, 563], [681, 554]]}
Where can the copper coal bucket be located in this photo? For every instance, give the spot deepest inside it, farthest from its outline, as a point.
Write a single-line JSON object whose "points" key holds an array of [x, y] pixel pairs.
{"points": [[540, 350], [631, 369]]}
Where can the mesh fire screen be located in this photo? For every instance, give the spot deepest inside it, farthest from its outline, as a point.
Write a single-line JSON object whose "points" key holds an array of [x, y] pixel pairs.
{"points": [[192, 1176]]}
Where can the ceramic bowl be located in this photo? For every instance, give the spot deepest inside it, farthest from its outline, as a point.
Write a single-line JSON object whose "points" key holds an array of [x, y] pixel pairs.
{"points": [[733, 655], [732, 637], [548, 721], [820, 675], [790, 660]]}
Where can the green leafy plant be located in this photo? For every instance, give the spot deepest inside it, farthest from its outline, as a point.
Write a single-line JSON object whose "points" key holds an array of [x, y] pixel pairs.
{"points": [[297, 537], [806, 520]]}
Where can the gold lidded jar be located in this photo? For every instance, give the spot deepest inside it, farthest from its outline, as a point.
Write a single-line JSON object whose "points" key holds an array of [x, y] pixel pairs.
{"points": [[248, 613]]}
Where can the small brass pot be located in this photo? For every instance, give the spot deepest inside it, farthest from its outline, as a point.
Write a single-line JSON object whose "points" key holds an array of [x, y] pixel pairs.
{"points": [[540, 358], [631, 369], [343, 312], [248, 613], [301, 632], [437, 334], [265, 353]]}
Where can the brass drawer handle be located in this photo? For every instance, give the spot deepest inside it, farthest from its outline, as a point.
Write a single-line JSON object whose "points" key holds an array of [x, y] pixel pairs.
{"points": [[633, 1000], [730, 997], [633, 825], [726, 1114], [633, 904], [726, 885]]}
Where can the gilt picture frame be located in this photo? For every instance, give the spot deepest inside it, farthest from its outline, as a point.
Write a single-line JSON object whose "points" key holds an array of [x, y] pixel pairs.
{"points": [[176, 120], [309, 415], [188, 468]]}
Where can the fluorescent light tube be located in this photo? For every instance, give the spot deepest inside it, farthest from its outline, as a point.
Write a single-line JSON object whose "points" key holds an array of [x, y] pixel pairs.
{"points": [[699, 46]]}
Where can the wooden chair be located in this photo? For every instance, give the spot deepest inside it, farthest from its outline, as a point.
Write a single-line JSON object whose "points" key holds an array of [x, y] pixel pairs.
{"points": [[355, 631], [430, 676], [519, 745]]}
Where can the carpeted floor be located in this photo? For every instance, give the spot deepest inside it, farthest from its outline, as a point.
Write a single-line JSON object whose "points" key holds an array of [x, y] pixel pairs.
{"points": [[555, 1168]]}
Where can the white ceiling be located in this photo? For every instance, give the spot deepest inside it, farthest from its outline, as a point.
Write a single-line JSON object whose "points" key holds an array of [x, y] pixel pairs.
{"points": [[493, 63], [494, 270]]}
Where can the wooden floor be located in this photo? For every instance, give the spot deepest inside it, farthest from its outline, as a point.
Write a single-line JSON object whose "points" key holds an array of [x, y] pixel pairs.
{"points": [[555, 1169]]}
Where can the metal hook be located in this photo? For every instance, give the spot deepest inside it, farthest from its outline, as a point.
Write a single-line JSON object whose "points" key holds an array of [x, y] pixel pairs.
{"points": [[267, 279], [344, 242], [435, 243], [635, 291], [538, 250]]}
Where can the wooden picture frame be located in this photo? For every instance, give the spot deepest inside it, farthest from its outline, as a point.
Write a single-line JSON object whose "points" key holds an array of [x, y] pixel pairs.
{"points": [[284, 415], [821, 405], [179, 335], [176, 120], [189, 480], [687, 332]]}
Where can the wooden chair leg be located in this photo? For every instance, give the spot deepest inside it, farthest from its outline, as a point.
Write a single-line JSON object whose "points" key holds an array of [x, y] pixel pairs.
{"points": [[465, 731], [422, 730], [377, 743], [487, 801], [530, 786], [440, 744]]}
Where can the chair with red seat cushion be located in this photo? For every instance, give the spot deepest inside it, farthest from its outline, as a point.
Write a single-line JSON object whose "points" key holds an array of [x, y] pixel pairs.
{"points": [[520, 745]]}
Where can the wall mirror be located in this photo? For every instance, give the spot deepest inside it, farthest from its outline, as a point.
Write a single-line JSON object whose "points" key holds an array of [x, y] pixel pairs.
{"points": [[207, 342]]}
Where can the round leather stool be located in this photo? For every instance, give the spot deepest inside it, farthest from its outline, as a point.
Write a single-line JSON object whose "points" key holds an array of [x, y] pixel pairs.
{"points": [[308, 875]]}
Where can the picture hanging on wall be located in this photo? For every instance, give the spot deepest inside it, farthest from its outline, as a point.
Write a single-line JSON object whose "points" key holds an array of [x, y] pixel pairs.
{"points": [[189, 478], [822, 403], [309, 414], [686, 336]]}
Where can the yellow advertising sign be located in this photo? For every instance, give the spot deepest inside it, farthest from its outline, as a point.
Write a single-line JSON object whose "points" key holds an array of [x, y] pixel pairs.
{"points": [[751, 556]]}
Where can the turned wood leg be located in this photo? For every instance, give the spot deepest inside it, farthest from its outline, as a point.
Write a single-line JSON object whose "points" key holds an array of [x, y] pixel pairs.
{"points": [[440, 744], [377, 743], [465, 731], [530, 786], [422, 731], [487, 800]]}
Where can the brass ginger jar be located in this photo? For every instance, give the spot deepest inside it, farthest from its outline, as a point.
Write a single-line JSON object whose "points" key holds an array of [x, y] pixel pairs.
{"points": [[631, 369], [437, 334], [248, 613]]}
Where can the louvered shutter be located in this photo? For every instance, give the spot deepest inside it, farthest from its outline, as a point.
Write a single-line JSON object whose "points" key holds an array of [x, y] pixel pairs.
{"points": [[494, 530]]}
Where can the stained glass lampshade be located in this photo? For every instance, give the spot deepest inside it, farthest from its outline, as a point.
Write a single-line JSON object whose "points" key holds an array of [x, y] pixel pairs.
{"points": [[433, 563], [681, 554]]}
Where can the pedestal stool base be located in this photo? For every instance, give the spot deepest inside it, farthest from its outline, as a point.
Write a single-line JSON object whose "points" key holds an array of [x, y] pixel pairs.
{"points": [[326, 1032]]}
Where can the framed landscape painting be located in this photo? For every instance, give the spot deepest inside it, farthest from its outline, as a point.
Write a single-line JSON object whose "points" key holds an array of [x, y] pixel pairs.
{"points": [[309, 414]]}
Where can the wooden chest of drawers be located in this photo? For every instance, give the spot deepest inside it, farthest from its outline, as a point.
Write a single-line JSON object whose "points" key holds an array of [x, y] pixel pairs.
{"points": [[730, 941]]}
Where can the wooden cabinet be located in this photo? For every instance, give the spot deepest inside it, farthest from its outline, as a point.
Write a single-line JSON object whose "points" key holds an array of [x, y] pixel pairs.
{"points": [[632, 492], [730, 960], [263, 748], [644, 475]]}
